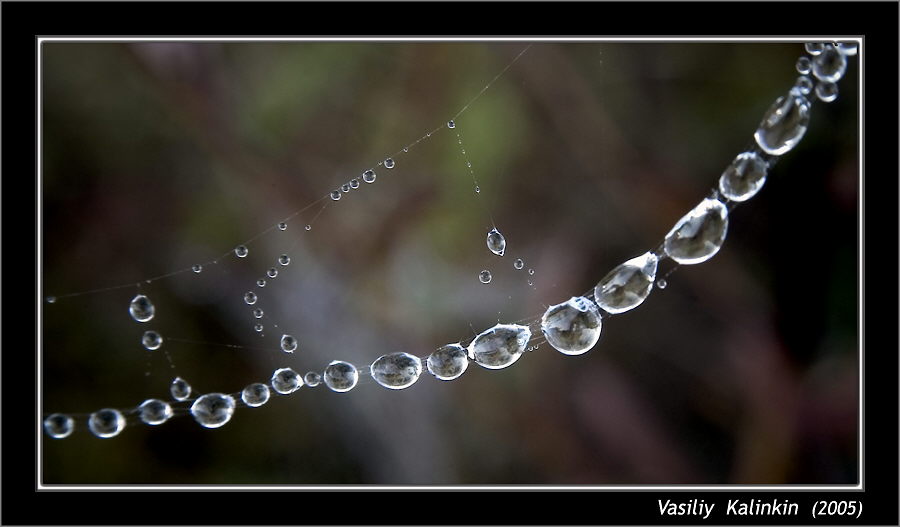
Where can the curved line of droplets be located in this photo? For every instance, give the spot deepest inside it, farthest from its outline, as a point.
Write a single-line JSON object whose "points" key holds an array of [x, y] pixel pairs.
{"points": [[572, 327]]}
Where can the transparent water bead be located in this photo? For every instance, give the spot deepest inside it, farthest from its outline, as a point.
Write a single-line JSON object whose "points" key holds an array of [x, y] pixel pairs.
{"points": [[180, 389], [213, 410], [496, 242], [519, 264], [354, 183], [396, 370], [335, 195], [241, 251], [261, 283], [699, 235], [341, 376], [141, 308], [250, 298], [258, 328], [826, 91], [106, 423], [258, 313], [284, 259], [282, 226], [308, 227], [572, 327], [627, 285], [197, 268], [155, 412], [803, 85], [814, 48], [388, 163], [662, 283], [448, 362], [744, 177], [499, 346], [272, 272], [451, 124], [288, 344], [256, 394], [59, 426], [345, 187], [312, 379], [369, 176], [804, 65], [484, 277], [286, 380], [830, 65], [847, 48], [151, 340], [783, 125]]}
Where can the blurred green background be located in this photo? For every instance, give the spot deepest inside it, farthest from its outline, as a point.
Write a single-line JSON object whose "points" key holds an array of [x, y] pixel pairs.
{"points": [[157, 156]]}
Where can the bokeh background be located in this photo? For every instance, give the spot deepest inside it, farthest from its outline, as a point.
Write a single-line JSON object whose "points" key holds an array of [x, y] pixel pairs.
{"points": [[157, 156]]}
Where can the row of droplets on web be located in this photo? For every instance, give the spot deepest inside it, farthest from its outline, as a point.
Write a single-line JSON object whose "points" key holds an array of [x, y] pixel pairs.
{"points": [[572, 327]]}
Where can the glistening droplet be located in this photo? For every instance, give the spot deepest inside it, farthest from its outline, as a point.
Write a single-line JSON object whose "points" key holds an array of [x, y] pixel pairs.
{"points": [[141, 308], [496, 242], [354, 183], [388, 163], [369, 176], [830, 65], [783, 125], [335, 195], [744, 177], [804, 65], [213, 410], [499, 346], [288, 344], [814, 48], [312, 379], [448, 362], [396, 370], [282, 226], [341, 376], [241, 251], [803, 85], [519, 264], [484, 276], [180, 389], [451, 124], [699, 235], [286, 380], [106, 423], [197, 268], [284, 259], [847, 48], [151, 340], [155, 412], [250, 298], [826, 91], [627, 285], [345, 187], [572, 327], [261, 283], [256, 394], [272, 272], [59, 426]]}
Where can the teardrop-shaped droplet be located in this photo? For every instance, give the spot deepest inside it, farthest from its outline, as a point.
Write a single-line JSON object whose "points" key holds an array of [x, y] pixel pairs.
{"points": [[699, 235], [141, 308], [499, 346], [312, 379], [572, 327], [341, 376], [106, 423], [288, 344], [213, 410], [369, 176], [496, 242], [485, 277], [335, 195], [627, 285], [155, 412], [388, 163], [151, 340], [396, 370], [250, 298], [744, 177], [180, 389], [826, 91], [783, 125], [284, 259], [830, 65], [59, 426], [241, 251], [286, 380], [256, 394], [448, 362]]}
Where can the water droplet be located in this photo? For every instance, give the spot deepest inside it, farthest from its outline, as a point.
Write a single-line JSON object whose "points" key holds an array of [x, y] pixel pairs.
{"points": [[477, 189], [141, 308], [627, 285], [826, 91], [180, 389], [519, 264], [308, 227], [256, 394], [345, 187], [699, 235], [286, 380], [783, 125], [847, 48], [261, 282], [354, 183], [496, 242], [804, 65], [830, 65], [197, 268], [530, 282], [152, 340], [312, 379], [155, 412], [51, 299], [451, 124], [241, 251], [335, 195], [106, 423], [59, 426], [803, 85], [341, 376], [388, 163], [531, 271], [250, 298], [499, 346], [469, 164], [448, 362], [282, 226], [406, 149], [258, 313], [284, 259], [484, 277], [288, 344], [258, 328], [814, 48], [213, 410], [744, 177], [572, 327], [662, 283], [369, 176], [396, 370], [272, 272]]}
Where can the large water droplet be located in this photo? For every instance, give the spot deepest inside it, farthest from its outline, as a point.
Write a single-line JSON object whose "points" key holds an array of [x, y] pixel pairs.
{"points": [[826, 91], [783, 125], [256, 394], [396, 370], [286, 380], [59, 426], [572, 327], [388, 163], [105, 423], [312, 379], [448, 362], [180, 389], [744, 177], [499, 346], [151, 340], [155, 412], [496, 242], [288, 344], [250, 298], [369, 176], [213, 410], [141, 308], [830, 65], [698, 236], [484, 277], [627, 285], [241, 251], [341, 376]]}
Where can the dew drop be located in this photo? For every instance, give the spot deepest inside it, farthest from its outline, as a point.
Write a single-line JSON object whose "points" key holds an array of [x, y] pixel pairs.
{"points": [[499, 346], [484, 277], [354, 183], [531, 272], [847, 48], [830, 65], [341, 376], [213, 410], [496, 242], [519, 264], [255, 395], [448, 362], [308, 227], [345, 187], [250, 298], [783, 125], [803, 85], [106, 423], [804, 65], [258, 328], [662, 283], [180, 389], [272, 272], [51, 299], [282, 226], [477, 189], [151, 340], [388, 163], [406, 149], [530, 282], [288, 344], [197, 268], [241, 251], [369, 176], [826, 91], [814, 48], [141, 308], [312, 379], [335, 195], [261, 282], [451, 124], [155, 412], [258, 313], [284, 259], [59, 426], [572, 327], [699, 235], [286, 380], [396, 370], [627, 285], [744, 177]]}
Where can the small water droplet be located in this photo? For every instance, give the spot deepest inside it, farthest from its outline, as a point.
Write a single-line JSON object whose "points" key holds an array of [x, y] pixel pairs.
{"points": [[830, 65], [573, 327], [499, 346], [406, 149], [496, 242], [662, 283], [369, 176], [250, 298], [258, 313], [261, 283], [312, 379], [448, 362], [744, 177], [141, 308], [106, 423], [354, 183], [519, 264], [286, 380], [826, 91], [258, 328], [698, 235], [530, 282], [388, 163], [51, 299], [783, 125], [155, 412], [335, 195], [484, 277], [282, 226], [345, 187], [241, 251], [341, 376], [814, 48], [469, 164], [803, 85], [531, 272], [288, 344], [847, 48], [152, 340], [451, 124], [627, 285], [197, 268], [213, 410], [396, 370], [284, 259], [477, 189], [272, 272], [180, 389], [804, 65], [308, 227], [59, 426], [255, 395]]}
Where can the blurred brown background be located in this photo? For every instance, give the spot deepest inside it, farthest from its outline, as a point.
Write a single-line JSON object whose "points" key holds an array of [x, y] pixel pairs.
{"points": [[158, 156]]}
